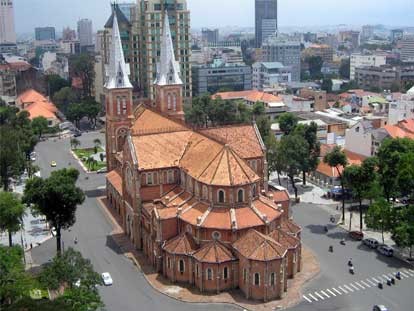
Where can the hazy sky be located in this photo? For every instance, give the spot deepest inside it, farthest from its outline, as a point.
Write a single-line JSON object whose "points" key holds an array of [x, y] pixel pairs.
{"points": [[218, 13]]}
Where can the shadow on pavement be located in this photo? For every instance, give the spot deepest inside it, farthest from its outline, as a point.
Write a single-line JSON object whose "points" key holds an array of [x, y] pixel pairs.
{"points": [[112, 243], [389, 261]]}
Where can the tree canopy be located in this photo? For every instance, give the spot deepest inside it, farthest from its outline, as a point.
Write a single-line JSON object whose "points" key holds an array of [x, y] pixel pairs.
{"points": [[83, 66], [287, 122], [11, 214]]}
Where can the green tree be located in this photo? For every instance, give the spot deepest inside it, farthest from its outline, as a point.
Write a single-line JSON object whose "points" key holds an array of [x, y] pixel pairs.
{"points": [[97, 144], [74, 143], [274, 156], [327, 85], [315, 66], [405, 178], [55, 83], [287, 122], [40, 126], [263, 124], [258, 110], [64, 98], [337, 159], [14, 282], [56, 197], [83, 66], [75, 113], [380, 216], [11, 214], [403, 231], [293, 148], [91, 163], [91, 110]]}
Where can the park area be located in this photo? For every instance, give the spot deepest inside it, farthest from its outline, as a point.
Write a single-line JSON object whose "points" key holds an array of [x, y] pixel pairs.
{"points": [[94, 158]]}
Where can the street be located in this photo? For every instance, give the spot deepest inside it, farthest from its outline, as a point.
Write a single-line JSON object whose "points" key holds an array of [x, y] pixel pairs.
{"points": [[334, 289]]}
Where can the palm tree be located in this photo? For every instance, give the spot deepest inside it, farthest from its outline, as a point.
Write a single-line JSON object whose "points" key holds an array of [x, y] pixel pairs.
{"points": [[97, 142], [75, 143], [12, 212]]}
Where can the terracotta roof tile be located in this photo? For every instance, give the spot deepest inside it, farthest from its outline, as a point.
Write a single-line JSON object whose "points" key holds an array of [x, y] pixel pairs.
{"points": [[182, 244], [242, 138], [257, 246], [152, 122], [218, 218], [247, 218], [287, 240], [290, 227], [190, 215], [213, 252], [397, 132], [251, 96], [37, 105], [167, 212], [267, 208], [407, 125], [150, 193], [115, 180], [280, 196]]}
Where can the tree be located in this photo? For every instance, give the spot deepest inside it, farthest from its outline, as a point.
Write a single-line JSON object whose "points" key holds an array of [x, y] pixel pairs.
{"points": [[274, 156], [287, 122], [405, 178], [64, 98], [327, 85], [403, 231], [40, 125], [14, 282], [55, 84], [11, 214], [74, 143], [56, 197], [337, 159], [311, 161], [75, 113], [263, 125], [345, 68], [97, 143], [91, 110], [315, 64], [83, 66], [258, 110], [380, 216], [91, 163], [293, 149], [395, 87], [358, 179]]}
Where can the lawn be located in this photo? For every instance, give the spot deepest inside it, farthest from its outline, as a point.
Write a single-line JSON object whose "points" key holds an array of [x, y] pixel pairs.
{"points": [[85, 154]]}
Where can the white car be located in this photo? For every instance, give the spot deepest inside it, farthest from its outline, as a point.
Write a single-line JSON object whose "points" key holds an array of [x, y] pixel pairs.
{"points": [[385, 250], [370, 242], [106, 278]]}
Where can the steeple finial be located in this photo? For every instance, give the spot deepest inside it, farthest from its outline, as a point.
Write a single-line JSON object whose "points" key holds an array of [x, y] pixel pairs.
{"points": [[118, 71], [168, 69]]}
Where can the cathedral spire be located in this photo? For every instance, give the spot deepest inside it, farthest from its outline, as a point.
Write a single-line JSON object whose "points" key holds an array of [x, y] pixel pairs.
{"points": [[118, 70], [168, 69]]}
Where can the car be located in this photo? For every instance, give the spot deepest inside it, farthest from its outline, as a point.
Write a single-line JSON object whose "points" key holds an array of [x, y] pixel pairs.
{"points": [[385, 250], [370, 242], [356, 235], [380, 308], [102, 170], [106, 278], [53, 164]]}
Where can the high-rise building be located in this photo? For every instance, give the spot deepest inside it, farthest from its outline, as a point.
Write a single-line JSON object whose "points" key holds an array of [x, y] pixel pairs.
{"points": [[396, 34], [266, 20], [85, 32], [45, 33], [210, 35], [287, 52], [365, 60], [268, 74], [146, 42], [407, 48], [7, 31], [68, 34], [367, 32], [126, 8]]}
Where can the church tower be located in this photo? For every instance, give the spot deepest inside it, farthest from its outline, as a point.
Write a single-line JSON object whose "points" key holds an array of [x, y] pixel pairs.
{"points": [[168, 84], [118, 90]]}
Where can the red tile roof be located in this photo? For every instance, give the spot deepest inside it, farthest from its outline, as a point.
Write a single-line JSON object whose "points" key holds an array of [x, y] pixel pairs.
{"points": [[251, 96], [115, 180], [290, 227], [36, 104], [287, 240], [257, 246], [182, 244], [214, 252]]}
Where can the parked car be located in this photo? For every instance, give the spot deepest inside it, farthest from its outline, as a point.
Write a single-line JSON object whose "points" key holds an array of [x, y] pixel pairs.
{"points": [[106, 278], [385, 250], [370, 242], [380, 308], [356, 235]]}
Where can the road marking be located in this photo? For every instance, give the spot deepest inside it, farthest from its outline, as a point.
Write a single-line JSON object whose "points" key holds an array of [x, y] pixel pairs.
{"points": [[346, 292], [391, 275], [354, 286], [350, 289], [366, 284], [409, 272], [325, 294], [404, 274], [385, 276], [332, 293], [307, 299], [337, 291], [372, 283], [359, 285], [316, 293], [313, 297], [376, 280]]}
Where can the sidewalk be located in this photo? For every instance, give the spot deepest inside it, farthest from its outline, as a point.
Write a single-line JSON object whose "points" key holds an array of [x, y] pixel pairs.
{"points": [[188, 293]]}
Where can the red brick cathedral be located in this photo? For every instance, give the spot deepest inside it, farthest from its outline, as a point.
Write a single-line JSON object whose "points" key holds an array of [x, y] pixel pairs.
{"points": [[196, 202]]}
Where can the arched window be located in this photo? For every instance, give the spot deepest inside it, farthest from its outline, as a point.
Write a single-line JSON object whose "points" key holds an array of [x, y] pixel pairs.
{"points": [[124, 105], [256, 279], [182, 179], [174, 102], [169, 101], [170, 177], [150, 178], [272, 279], [189, 185], [254, 190], [221, 196], [118, 105], [209, 274], [205, 192], [225, 273], [240, 196], [181, 266]]}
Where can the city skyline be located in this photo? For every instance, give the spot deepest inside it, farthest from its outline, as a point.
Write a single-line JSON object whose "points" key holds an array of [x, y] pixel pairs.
{"points": [[291, 13]]}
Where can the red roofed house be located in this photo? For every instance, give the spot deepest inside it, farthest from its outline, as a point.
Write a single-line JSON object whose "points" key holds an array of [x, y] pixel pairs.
{"points": [[196, 203], [38, 105]]}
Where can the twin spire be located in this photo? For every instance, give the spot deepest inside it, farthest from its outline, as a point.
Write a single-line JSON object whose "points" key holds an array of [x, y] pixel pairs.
{"points": [[118, 71], [168, 69]]}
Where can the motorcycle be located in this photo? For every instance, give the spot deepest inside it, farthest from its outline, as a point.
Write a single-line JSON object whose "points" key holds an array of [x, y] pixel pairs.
{"points": [[351, 270]]}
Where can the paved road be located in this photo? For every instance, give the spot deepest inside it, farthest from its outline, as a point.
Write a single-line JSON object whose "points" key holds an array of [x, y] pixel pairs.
{"points": [[335, 288], [130, 291]]}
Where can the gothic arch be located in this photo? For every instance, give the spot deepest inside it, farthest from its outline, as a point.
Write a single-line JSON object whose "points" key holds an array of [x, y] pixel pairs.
{"points": [[120, 136]]}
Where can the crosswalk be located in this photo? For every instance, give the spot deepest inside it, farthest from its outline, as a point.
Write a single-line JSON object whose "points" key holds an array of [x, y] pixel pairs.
{"points": [[355, 286]]}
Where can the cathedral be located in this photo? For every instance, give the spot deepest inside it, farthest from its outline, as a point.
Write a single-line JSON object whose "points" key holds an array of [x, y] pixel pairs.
{"points": [[196, 202]]}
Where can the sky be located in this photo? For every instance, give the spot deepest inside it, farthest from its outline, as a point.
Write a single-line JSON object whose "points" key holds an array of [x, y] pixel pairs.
{"points": [[220, 13]]}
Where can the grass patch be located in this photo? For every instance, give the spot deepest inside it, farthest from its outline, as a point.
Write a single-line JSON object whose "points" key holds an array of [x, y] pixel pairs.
{"points": [[85, 154]]}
